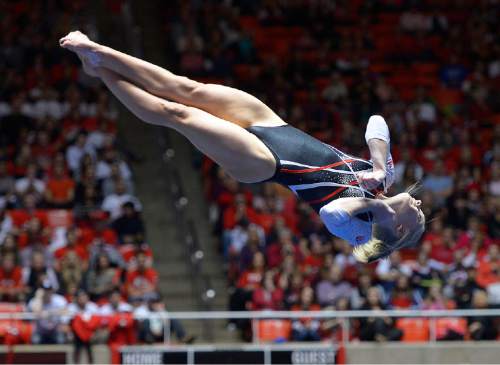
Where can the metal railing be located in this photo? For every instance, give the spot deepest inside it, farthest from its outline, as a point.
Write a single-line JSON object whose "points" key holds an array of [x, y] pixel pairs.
{"points": [[201, 282], [344, 316]]}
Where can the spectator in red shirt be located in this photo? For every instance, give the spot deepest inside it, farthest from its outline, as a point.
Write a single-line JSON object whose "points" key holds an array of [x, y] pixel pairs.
{"points": [[72, 245], [282, 247], [60, 190], [248, 282], [250, 279], [240, 210], [119, 323], [11, 284], [442, 247], [489, 268], [141, 283], [268, 296], [473, 229], [314, 260], [402, 295]]}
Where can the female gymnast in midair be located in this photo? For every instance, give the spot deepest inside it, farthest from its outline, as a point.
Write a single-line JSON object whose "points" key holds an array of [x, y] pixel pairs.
{"points": [[253, 144]]}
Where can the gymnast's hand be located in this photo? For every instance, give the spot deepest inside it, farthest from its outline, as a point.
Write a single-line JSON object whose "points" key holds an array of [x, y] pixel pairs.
{"points": [[370, 179]]}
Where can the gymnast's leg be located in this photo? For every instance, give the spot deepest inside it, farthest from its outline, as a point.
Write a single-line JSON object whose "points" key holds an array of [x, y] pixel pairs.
{"points": [[224, 102], [237, 151]]}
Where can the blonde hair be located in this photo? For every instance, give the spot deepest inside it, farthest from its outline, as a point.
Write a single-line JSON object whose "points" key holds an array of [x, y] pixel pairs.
{"points": [[384, 241]]}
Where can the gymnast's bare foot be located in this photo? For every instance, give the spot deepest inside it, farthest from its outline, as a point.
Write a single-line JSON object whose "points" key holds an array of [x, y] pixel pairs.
{"points": [[83, 47]]}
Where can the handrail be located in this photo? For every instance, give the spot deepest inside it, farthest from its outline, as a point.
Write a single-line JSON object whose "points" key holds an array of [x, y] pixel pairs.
{"points": [[321, 314], [188, 234], [344, 316]]}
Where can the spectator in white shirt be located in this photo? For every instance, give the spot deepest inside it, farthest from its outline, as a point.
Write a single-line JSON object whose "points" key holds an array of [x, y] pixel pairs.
{"points": [[113, 203], [76, 151], [104, 166], [51, 310], [6, 224], [30, 183], [116, 304]]}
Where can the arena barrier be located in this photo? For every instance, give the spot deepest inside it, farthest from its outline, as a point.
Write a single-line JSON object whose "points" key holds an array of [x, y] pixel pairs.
{"points": [[431, 315]]}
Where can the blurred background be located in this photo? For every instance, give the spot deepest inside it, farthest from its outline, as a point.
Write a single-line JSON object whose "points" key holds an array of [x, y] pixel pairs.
{"points": [[109, 227]]}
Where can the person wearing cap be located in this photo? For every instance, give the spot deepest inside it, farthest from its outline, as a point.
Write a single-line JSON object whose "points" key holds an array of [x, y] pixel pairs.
{"points": [[51, 310], [151, 325]]}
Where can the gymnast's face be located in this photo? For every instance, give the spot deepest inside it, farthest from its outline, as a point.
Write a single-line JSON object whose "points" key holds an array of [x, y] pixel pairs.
{"points": [[408, 213]]}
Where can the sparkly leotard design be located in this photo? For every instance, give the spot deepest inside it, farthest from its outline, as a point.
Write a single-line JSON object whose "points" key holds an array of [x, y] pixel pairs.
{"points": [[318, 173]]}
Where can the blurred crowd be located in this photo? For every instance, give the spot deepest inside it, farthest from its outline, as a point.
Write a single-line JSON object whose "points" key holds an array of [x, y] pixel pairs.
{"points": [[73, 248], [431, 69]]}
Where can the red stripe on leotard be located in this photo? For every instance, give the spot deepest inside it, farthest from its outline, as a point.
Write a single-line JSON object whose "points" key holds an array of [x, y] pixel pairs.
{"points": [[335, 192], [313, 169]]}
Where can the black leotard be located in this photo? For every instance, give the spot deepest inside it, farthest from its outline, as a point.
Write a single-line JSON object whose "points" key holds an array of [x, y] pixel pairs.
{"points": [[317, 172]]}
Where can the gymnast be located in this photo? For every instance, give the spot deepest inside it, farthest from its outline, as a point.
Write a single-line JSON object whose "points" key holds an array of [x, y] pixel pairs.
{"points": [[253, 144]]}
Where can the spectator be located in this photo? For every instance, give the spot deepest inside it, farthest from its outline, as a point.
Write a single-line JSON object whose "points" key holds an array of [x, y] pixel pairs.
{"points": [[39, 273], [113, 203], [83, 325], [30, 184], [151, 326], [425, 273], [283, 246], [141, 283], [306, 329], [116, 304], [71, 270], [60, 190], [76, 151], [254, 244], [481, 327], [110, 166], [129, 224], [120, 324], [102, 278], [332, 287], [454, 73], [6, 224], [7, 182], [50, 309], [336, 90], [378, 329], [435, 299], [72, 244], [440, 184], [268, 295], [293, 289], [402, 294], [360, 291], [12, 288]]}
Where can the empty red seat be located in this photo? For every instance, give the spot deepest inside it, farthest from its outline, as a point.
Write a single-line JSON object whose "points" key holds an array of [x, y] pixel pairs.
{"points": [[270, 330], [445, 325], [414, 329]]}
